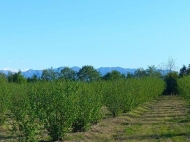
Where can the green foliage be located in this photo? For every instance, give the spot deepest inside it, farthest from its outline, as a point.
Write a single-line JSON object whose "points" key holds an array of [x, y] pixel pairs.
{"points": [[57, 107], [56, 104], [10, 77], [114, 97], [113, 75], [4, 101], [140, 73], [184, 71], [67, 74], [3, 78], [171, 83], [23, 121], [152, 71], [16, 78], [89, 106], [183, 87], [34, 78], [123, 95], [88, 73], [49, 75]]}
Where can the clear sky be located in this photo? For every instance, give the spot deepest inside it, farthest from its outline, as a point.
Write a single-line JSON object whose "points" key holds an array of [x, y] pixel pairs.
{"points": [[38, 34]]}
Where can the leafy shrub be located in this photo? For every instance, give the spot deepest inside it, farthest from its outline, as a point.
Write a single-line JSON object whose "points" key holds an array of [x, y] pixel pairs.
{"points": [[56, 105], [171, 83], [184, 87], [23, 120], [89, 106], [4, 101], [123, 95]]}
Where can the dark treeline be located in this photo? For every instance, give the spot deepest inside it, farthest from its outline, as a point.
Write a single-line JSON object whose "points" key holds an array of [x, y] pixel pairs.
{"points": [[86, 73], [184, 71], [172, 80], [89, 74]]}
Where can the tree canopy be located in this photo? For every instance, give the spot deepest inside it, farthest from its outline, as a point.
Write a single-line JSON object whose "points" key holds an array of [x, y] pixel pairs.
{"points": [[16, 77], [67, 74], [88, 73], [184, 71], [113, 75], [49, 75]]}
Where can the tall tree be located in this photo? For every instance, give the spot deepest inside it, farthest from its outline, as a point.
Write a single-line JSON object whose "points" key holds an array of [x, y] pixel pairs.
{"points": [[140, 73], [129, 75], [34, 78], [171, 83], [188, 70], [67, 74], [171, 65], [183, 71], [113, 75], [10, 76], [153, 71], [88, 73], [49, 75], [17, 77]]}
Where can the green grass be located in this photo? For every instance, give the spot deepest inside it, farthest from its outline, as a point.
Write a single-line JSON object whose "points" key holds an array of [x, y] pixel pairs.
{"points": [[163, 120]]}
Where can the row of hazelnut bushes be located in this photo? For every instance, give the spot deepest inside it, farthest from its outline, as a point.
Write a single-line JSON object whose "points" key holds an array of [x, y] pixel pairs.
{"points": [[56, 108], [184, 87]]}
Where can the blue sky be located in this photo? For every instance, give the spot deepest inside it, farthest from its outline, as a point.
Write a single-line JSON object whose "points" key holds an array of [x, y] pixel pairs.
{"points": [[38, 34]]}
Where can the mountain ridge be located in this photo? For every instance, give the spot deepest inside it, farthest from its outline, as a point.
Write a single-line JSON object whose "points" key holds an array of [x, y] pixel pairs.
{"points": [[102, 70]]}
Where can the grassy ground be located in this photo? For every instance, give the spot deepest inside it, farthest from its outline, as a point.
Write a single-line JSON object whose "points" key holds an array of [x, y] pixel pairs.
{"points": [[166, 119], [163, 120]]}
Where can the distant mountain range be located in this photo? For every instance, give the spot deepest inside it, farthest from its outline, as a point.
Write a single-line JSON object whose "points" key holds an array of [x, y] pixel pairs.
{"points": [[102, 70]]}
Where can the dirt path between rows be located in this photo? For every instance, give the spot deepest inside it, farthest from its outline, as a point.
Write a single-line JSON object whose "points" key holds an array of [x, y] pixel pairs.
{"points": [[166, 119]]}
